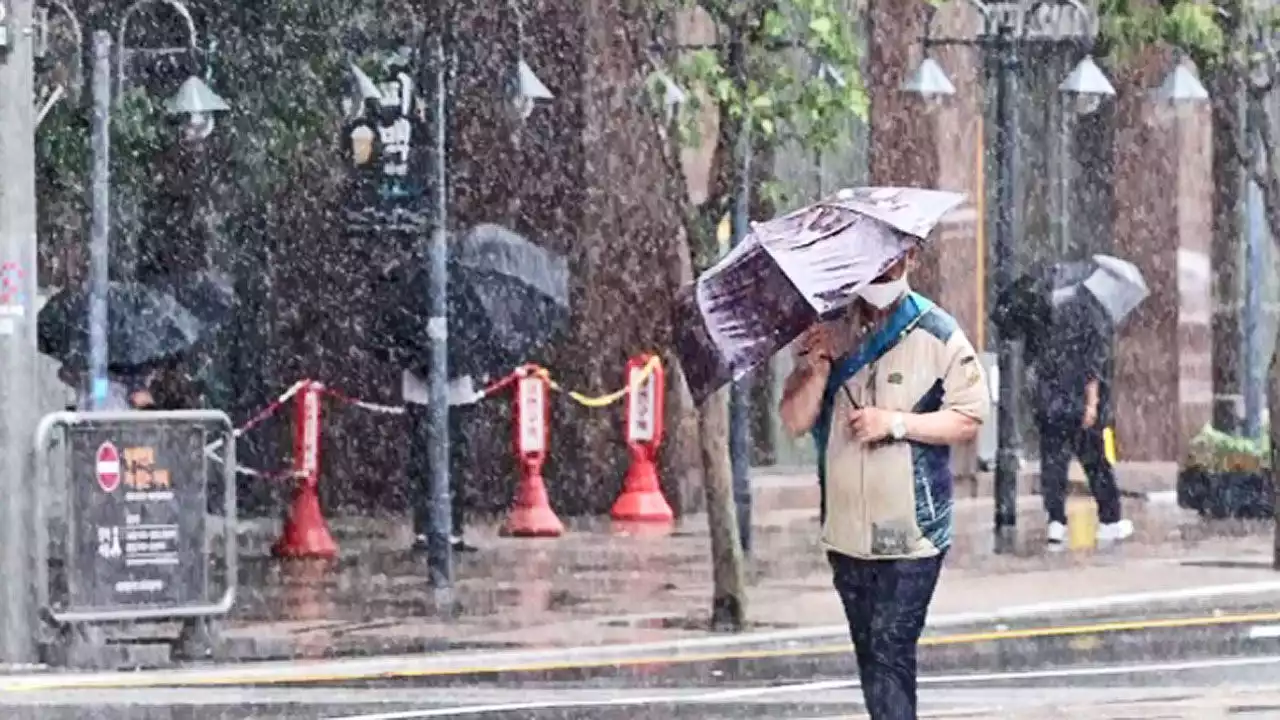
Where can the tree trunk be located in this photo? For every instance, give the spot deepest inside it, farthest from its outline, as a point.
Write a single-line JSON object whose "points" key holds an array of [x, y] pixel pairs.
{"points": [[1226, 88], [729, 599], [682, 455]]}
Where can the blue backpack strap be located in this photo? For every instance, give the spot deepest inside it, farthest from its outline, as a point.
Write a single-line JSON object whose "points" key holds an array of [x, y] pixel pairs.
{"points": [[909, 313]]}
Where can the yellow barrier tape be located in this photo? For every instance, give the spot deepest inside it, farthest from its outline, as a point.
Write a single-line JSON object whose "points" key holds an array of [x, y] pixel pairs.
{"points": [[600, 401]]}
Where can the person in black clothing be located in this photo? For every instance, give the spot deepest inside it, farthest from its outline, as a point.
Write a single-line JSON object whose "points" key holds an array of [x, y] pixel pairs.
{"points": [[1073, 408], [461, 412]]}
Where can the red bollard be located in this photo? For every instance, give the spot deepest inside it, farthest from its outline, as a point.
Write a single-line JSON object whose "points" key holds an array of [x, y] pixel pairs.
{"points": [[641, 499], [531, 514], [306, 533]]}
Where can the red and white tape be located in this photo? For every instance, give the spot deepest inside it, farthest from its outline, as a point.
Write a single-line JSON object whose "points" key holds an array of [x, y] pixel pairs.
{"points": [[364, 404], [382, 409]]}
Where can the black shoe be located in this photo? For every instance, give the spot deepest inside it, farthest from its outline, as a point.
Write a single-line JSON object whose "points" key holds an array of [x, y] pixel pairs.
{"points": [[461, 546]]}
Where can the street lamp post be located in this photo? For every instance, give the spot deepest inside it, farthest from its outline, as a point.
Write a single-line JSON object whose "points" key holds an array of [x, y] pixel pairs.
{"points": [[194, 99], [1009, 28], [525, 91]]}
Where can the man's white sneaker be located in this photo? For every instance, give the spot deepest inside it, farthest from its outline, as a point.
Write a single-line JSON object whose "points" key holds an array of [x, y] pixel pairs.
{"points": [[1115, 532], [1057, 535]]}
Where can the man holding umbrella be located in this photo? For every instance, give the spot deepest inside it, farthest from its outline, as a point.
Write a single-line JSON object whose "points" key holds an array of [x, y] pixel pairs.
{"points": [[1073, 387], [886, 391], [508, 296], [886, 383]]}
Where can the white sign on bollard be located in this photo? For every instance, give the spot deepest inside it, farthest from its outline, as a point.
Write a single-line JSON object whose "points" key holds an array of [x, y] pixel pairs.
{"points": [[311, 429], [640, 411], [533, 403]]}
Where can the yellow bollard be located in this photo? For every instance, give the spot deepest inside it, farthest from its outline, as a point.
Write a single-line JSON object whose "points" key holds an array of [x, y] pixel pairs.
{"points": [[1082, 523]]}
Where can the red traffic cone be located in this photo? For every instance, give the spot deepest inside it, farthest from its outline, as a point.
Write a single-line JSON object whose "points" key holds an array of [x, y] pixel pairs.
{"points": [[306, 533], [641, 499], [531, 514]]}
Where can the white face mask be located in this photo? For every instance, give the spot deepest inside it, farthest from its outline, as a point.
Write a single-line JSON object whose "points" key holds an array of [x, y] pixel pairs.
{"points": [[882, 295]]}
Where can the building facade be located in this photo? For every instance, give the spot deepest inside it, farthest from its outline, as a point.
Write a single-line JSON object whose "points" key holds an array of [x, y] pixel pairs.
{"points": [[1134, 175]]}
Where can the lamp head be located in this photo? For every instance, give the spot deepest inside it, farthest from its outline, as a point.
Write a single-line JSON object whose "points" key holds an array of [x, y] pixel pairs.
{"points": [[1087, 87], [929, 82], [527, 91], [199, 104]]}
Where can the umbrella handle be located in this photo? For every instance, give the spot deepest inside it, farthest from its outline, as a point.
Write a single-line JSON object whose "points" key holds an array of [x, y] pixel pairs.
{"points": [[849, 394]]}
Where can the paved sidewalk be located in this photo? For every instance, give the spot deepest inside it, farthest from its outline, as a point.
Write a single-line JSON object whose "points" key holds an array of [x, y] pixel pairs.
{"points": [[797, 489], [596, 586]]}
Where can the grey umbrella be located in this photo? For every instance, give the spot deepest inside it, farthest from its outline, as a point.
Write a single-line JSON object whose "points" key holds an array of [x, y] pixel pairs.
{"points": [[791, 271], [496, 249], [507, 297], [1116, 284]]}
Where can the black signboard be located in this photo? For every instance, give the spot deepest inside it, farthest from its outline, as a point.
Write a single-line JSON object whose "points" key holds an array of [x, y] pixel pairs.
{"points": [[138, 515], [389, 151]]}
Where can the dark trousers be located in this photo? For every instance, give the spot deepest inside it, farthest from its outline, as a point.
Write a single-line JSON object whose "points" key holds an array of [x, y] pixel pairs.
{"points": [[1059, 441], [420, 467], [885, 602]]}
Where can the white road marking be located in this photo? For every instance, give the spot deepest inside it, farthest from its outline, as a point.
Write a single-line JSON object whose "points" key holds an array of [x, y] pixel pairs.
{"points": [[775, 690], [1264, 632]]}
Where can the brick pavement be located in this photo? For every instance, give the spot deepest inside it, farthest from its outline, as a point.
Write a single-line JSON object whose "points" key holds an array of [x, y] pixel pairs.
{"points": [[594, 586]]}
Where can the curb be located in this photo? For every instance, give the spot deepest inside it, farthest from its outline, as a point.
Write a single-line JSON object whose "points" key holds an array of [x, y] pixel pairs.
{"points": [[969, 631]]}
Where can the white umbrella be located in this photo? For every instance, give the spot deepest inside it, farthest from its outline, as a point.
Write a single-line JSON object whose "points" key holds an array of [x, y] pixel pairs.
{"points": [[1118, 286]]}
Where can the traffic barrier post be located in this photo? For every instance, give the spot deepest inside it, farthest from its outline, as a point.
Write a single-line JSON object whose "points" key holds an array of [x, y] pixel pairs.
{"points": [[641, 499], [306, 533], [531, 514]]}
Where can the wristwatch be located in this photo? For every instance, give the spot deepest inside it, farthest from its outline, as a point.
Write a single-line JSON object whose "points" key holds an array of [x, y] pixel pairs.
{"points": [[898, 427]]}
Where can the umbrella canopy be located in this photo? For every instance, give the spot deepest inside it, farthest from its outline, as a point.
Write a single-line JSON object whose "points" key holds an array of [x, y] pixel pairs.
{"points": [[145, 326], [507, 296], [791, 271], [1046, 296], [1117, 285], [210, 295]]}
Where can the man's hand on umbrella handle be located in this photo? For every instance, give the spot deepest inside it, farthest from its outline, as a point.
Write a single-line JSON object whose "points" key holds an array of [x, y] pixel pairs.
{"points": [[1090, 416], [816, 346]]}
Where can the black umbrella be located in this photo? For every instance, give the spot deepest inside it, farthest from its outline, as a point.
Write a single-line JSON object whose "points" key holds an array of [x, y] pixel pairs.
{"points": [[507, 296], [1024, 309], [145, 326]]}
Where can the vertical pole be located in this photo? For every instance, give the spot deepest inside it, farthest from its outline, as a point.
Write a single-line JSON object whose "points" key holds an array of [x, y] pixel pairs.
{"points": [[1254, 376], [440, 530], [17, 337], [740, 397], [100, 222], [1066, 147], [1007, 450]]}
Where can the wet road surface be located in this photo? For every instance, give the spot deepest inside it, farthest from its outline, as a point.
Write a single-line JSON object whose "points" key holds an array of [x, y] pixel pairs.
{"points": [[1168, 688]]}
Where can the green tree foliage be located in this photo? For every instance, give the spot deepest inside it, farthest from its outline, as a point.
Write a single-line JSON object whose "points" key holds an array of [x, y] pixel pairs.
{"points": [[790, 73], [1191, 25]]}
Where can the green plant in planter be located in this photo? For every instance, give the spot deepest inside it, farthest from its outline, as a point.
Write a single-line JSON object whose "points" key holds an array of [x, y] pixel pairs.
{"points": [[1215, 451]]}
